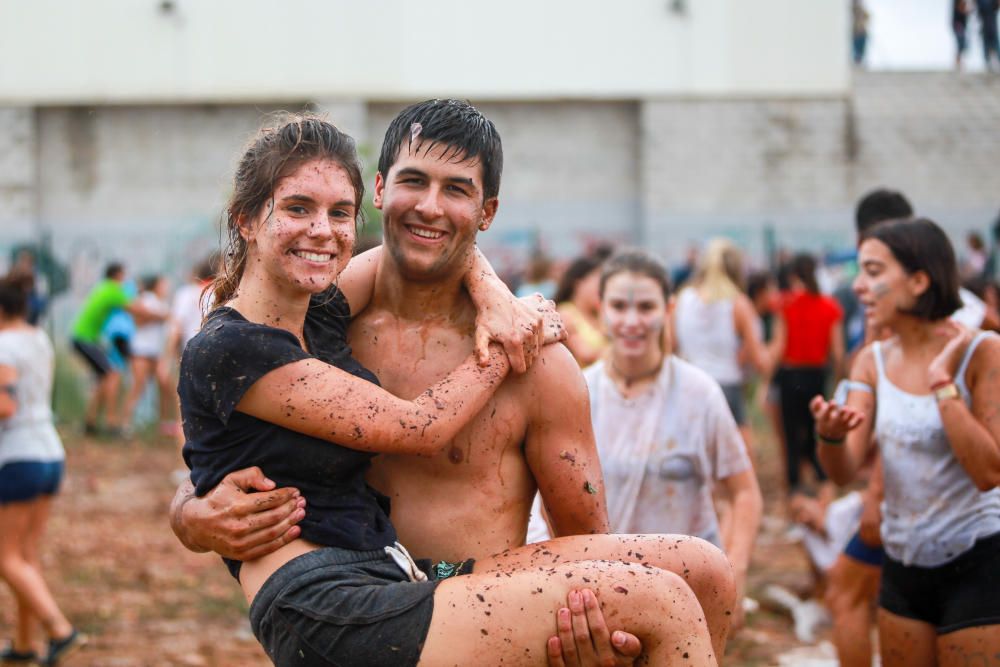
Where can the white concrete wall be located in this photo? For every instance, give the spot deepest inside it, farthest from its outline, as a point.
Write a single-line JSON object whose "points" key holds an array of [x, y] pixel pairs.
{"points": [[134, 51]]}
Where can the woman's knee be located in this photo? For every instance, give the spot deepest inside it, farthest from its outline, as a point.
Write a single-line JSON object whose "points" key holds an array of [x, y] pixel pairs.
{"points": [[709, 573]]}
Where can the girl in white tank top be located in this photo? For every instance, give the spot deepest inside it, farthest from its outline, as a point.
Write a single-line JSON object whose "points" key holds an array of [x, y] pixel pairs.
{"points": [[934, 414]]}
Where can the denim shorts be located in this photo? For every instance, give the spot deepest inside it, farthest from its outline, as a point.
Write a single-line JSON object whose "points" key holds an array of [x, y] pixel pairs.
{"points": [[22, 481], [335, 607], [962, 593]]}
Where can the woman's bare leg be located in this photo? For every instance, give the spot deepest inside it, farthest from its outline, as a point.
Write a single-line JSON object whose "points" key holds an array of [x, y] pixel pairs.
{"points": [[702, 566], [905, 642], [23, 577], [507, 616], [142, 369], [972, 646]]}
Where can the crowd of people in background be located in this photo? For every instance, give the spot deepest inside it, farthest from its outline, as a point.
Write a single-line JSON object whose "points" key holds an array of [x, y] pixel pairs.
{"points": [[673, 369]]}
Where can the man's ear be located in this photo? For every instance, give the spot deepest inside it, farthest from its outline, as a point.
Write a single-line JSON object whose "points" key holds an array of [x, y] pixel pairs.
{"points": [[379, 188], [490, 207]]}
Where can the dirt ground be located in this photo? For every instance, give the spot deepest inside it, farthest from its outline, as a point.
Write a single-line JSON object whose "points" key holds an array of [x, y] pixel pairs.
{"points": [[144, 601]]}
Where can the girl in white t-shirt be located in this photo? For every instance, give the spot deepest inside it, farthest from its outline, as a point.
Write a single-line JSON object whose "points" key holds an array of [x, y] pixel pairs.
{"points": [[664, 431]]}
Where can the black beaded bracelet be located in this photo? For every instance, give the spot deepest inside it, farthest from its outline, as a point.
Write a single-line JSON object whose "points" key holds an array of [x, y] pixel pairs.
{"points": [[829, 441]]}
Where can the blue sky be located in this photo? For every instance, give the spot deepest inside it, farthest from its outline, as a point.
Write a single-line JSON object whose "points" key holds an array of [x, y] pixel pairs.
{"points": [[916, 34]]}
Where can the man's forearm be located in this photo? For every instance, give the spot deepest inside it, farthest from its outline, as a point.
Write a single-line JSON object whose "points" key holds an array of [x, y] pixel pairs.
{"points": [[185, 492]]}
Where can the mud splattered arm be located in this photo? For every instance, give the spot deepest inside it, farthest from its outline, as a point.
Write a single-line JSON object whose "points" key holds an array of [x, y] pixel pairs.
{"points": [[516, 324], [243, 518], [320, 400], [560, 447]]}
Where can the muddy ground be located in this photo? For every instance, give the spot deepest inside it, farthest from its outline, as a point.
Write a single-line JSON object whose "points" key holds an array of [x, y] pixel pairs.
{"points": [[144, 601]]}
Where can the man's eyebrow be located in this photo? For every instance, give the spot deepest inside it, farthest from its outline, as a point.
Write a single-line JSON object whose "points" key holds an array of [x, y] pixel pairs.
{"points": [[410, 171], [462, 181]]}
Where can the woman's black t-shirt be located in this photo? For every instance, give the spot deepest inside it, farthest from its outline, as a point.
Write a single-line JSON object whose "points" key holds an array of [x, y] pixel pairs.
{"points": [[220, 364]]}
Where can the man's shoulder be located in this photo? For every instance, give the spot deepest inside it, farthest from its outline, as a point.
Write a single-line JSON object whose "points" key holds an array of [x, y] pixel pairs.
{"points": [[555, 376]]}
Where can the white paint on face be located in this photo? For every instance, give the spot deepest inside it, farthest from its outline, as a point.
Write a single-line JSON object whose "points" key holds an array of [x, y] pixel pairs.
{"points": [[634, 313]]}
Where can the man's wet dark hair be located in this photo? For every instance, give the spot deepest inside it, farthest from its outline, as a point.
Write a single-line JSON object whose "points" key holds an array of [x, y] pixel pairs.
{"points": [[456, 124], [920, 245], [878, 206]]}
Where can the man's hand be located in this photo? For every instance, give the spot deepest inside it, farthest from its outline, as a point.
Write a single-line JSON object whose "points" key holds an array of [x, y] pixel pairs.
{"points": [[584, 640], [242, 518]]}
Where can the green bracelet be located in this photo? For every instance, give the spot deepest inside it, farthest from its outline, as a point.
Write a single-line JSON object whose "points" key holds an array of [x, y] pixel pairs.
{"points": [[829, 441]]}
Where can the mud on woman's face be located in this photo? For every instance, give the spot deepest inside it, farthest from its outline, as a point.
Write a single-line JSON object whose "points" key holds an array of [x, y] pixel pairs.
{"points": [[304, 236], [634, 312]]}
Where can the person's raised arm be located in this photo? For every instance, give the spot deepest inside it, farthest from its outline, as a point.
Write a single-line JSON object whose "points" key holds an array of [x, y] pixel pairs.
{"points": [[843, 432], [973, 433], [323, 401], [560, 448], [8, 397]]}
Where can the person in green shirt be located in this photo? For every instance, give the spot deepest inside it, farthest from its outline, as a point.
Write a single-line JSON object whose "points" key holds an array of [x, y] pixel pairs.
{"points": [[107, 296]]}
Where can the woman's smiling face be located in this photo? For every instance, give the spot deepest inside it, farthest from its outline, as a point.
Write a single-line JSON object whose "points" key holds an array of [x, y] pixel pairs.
{"points": [[634, 312], [304, 235]]}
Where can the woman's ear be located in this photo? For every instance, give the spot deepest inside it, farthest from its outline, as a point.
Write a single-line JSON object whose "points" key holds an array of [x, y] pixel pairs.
{"points": [[245, 227], [919, 282]]}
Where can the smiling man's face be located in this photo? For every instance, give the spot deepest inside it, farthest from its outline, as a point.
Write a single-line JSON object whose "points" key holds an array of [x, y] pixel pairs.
{"points": [[432, 206]]}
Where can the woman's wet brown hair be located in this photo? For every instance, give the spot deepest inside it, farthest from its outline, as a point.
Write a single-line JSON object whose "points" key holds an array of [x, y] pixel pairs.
{"points": [[274, 153]]}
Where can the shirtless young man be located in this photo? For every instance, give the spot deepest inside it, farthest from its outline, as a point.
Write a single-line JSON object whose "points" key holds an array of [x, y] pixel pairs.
{"points": [[437, 187]]}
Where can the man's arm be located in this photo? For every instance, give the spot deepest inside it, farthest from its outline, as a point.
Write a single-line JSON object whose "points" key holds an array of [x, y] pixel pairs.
{"points": [[559, 445], [242, 518]]}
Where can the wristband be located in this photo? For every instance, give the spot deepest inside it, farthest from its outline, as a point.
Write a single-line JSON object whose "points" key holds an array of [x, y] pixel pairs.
{"points": [[946, 392], [830, 441]]}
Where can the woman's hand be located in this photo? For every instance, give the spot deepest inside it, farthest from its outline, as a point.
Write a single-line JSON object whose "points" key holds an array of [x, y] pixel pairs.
{"points": [[521, 326], [833, 421], [944, 366]]}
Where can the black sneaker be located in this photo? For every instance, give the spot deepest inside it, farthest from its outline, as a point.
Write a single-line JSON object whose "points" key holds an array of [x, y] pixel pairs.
{"points": [[60, 648], [10, 656]]}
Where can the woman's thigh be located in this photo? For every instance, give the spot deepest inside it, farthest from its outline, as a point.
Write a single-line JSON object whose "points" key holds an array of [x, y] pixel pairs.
{"points": [[702, 566], [905, 642], [15, 524], [506, 616], [970, 647]]}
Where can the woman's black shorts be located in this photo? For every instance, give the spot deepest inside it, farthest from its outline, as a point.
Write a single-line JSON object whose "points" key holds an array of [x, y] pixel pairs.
{"points": [[962, 593]]}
